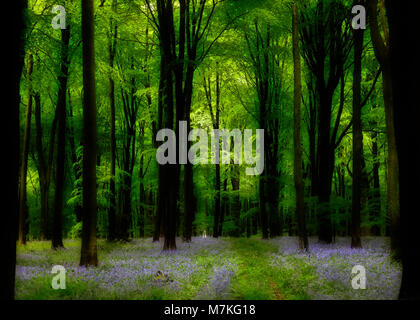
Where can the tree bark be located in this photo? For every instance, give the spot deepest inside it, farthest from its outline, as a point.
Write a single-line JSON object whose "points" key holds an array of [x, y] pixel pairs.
{"points": [[45, 165], [57, 232], [357, 140], [23, 206], [381, 49], [16, 54], [113, 146], [376, 211], [297, 144], [404, 60], [89, 249]]}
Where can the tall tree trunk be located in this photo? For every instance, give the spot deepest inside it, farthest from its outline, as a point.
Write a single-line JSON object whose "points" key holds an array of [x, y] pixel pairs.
{"points": [[158, 217], [223, 208], [142, 173], [113, 146], [57, 234], [357, 139], [215, 122], [376, 199], [325, 54], [263, 211], [89, 249], [381, 49], [392, 194], [297, 144], [23, 206], [41, 169], [16, 54], [45, 165], [236, 202], [404, 60]]}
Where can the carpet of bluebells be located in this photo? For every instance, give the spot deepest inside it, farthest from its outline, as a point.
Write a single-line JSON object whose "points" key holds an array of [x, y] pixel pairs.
{"points": [[331, 266], [209, 268]]}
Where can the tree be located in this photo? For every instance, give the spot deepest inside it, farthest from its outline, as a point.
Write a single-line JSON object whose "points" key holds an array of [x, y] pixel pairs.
{"points": [[404, 58], [57, 235], [266, 72], [297, 164], [215, 119], [381, 49], [44, 165], [16, 56], [112, 47], [325, 48], [357, 139], [130, 109], [23, 206], [89, 250]]}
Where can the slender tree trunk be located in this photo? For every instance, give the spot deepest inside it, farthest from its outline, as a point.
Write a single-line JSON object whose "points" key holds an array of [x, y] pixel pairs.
{"points": [[217, 204], [381, 49], [45, 166], [298, 178], [57, 234], [89, 249], [112, 190], [376, 211], [142, 193], [158, 217], [392, 194], [263, 211], [23, 206], [223, 208], [236, 202], [357, 140]]}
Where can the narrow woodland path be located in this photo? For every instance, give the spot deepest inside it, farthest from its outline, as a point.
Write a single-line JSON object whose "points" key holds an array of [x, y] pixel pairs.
{"points": [[255, 279]]}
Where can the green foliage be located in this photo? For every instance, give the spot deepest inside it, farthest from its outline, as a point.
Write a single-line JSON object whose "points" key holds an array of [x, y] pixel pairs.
{"points": [[76, 231]]}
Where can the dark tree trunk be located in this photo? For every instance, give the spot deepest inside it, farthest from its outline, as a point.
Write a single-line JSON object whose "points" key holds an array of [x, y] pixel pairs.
{"points": [[15, 58], [236, 201], [89, 249], [297, 143], [57, 232], [167, 193], [131, 106], [381, 49], [215, 121], [23, 205], [325, 54], [357, 140], [158, 227], [263, 211], [142, 173], [113, 145], [217, 218], [223, 208], [376, 198], [404, 59], [45, 166]]}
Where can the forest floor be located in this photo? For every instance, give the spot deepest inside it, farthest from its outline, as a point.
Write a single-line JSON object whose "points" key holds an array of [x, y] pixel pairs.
{"points": [[208, 268]]}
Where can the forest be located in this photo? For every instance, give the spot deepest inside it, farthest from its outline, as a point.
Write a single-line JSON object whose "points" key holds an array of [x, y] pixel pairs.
{"points": [[123, 180]]}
